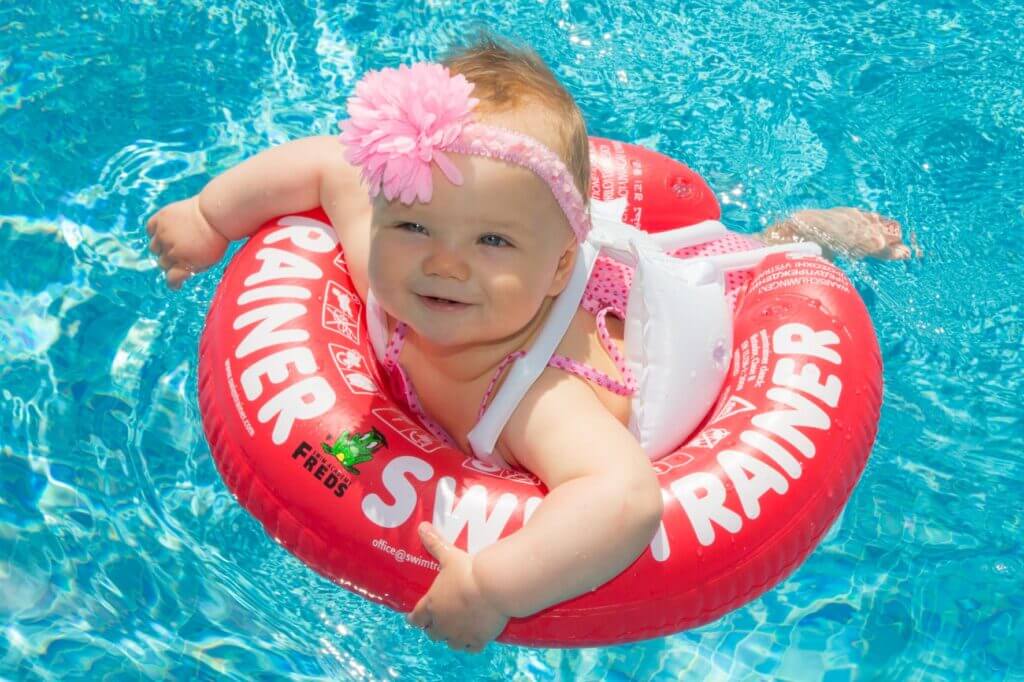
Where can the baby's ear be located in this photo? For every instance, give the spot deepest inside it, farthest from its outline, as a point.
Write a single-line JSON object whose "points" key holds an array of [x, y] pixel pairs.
{"points": [[564, 270]]}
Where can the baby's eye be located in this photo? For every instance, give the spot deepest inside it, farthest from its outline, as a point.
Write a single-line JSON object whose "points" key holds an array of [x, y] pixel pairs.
{"points": [[494, 240], [411, 227]]}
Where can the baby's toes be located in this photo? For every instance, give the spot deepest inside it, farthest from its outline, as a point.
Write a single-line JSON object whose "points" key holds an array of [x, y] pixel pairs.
{"points": [[897, 252], [915, 247]]}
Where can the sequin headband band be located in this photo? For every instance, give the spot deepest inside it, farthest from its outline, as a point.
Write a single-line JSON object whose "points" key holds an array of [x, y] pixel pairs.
{"points": [[402, 120]]}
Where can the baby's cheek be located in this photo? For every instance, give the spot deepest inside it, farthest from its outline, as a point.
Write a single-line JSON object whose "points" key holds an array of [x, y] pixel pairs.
{"points": [[520, 303], [384, 263], [382, 279]]}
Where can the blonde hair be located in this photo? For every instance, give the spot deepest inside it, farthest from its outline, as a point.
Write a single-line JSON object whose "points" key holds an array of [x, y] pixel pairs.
{"points": [[506, 77]]}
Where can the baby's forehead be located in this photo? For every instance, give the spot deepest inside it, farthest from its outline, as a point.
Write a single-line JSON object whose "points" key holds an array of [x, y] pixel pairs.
{"points": [[542, 124], [491, 174], [534, 120]]}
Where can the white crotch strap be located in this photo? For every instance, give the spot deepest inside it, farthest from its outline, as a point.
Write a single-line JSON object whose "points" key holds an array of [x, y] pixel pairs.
{"points": [[624, 243]]}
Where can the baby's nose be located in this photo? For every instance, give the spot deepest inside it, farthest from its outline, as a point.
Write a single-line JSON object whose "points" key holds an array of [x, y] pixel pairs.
{"points": [[444, 261]]}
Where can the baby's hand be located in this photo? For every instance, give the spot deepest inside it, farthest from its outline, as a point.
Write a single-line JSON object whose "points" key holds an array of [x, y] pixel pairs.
{"points": [[848, 230], [184, 240], [454, 609]]}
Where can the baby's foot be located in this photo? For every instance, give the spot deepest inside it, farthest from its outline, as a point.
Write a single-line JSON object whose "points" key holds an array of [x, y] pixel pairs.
{"points": [[850, 231]]}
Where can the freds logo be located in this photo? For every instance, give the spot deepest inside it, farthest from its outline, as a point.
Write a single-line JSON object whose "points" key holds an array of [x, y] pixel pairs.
{"points": [[349, 450]]}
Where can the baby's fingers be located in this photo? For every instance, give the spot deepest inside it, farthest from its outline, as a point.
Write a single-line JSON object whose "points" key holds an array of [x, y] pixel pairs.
{"points": [[420, 616], [167, 261], [470, 647], [176, 276], [435, 633]]}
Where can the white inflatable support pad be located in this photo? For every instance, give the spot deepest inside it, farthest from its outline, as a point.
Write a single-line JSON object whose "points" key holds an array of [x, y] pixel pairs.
{"points": [[681, 237], [744, 260]]}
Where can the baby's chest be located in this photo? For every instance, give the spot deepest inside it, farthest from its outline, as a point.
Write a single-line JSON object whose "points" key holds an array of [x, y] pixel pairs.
{"points": [[455, 406]]}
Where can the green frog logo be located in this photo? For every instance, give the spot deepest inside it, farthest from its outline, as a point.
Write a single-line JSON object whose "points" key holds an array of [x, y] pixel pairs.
{"points": [[353, 449]]}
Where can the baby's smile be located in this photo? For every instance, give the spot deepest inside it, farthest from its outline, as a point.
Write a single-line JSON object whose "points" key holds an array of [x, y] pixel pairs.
{"points": [[442, 304]]}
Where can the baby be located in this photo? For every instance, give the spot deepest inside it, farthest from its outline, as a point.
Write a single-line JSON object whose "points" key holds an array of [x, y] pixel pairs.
{"points": [[465, 246]]}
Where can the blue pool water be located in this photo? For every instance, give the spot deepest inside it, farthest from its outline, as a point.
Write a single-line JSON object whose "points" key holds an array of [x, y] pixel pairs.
{"points": [[122, 553]]}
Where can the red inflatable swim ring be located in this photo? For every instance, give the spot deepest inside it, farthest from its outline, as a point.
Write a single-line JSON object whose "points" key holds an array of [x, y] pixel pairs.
{"points": [[310, 444]]}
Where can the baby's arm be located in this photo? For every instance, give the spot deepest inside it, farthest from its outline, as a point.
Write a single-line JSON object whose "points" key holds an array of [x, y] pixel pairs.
{"points": [[192, 235], [283, 179], [601, 511]]}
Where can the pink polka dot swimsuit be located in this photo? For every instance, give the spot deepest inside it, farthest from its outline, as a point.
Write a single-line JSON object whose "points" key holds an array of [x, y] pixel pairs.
{"points": [[607, 292]]}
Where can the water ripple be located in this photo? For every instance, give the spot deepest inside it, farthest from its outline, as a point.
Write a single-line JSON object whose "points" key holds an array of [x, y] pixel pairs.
{"points": [[121, 551]]}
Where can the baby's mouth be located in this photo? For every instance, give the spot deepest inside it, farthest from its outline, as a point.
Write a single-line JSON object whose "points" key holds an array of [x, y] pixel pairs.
{"points": [[441, 301]]}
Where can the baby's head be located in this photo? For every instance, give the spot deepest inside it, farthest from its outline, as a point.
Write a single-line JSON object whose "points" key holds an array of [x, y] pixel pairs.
{"points": [[517, 90], [480, 174]]}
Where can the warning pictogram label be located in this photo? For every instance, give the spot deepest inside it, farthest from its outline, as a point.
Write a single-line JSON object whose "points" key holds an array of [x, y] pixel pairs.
{"points": [[732, 406]]}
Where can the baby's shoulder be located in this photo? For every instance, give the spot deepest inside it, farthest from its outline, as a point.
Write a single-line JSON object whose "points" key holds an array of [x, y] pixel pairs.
{"points": [[561, 429], [581, 339]]}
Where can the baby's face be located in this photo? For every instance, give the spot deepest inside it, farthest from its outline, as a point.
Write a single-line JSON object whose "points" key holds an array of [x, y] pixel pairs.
{"points": [[497, 245]]}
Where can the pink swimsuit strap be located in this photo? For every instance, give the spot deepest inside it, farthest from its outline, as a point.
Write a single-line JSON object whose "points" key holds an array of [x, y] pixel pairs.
{"points": [[626, 387], [394, 348], [628, 384]]}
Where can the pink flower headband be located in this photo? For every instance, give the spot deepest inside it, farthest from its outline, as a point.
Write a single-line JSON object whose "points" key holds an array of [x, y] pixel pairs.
{"points": [[401, 120]]}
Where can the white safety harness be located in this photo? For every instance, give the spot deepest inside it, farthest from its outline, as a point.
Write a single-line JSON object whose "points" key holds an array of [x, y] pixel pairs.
{"points": [[678, 328]]}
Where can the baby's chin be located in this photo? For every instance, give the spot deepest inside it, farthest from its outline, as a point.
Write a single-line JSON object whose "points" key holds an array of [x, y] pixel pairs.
{"points": [[445, 339]]}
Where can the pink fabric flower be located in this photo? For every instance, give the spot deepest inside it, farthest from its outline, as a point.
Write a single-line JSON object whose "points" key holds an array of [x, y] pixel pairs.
{"points": [[400, 121]]}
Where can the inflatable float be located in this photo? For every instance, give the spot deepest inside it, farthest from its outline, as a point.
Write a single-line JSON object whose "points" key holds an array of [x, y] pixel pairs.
{"points": [[306, 436]]}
